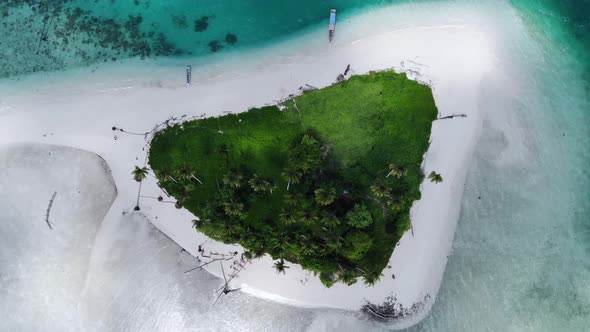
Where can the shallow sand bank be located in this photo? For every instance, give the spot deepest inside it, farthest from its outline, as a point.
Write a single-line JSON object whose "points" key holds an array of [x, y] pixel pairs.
{"points": [[450, 48], [43, 270]]}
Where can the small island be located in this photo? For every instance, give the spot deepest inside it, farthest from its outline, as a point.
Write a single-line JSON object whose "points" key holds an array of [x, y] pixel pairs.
{"points": [[325, 179]]}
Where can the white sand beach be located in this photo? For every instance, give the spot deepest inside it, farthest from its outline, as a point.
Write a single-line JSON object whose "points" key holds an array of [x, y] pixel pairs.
{"points": [[453, 49]]}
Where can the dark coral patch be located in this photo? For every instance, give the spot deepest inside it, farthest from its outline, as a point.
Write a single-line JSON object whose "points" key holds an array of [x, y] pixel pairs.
{"points": [[201, 24], [231, 39], [215, 46]]}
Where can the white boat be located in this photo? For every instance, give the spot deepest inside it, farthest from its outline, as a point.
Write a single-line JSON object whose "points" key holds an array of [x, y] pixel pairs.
{"points": [[332, 26]]}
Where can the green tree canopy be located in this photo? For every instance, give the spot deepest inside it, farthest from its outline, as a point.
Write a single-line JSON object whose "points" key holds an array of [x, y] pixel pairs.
{"points": [[359, 216], [357, 245], [327, 278], [306, 155]]}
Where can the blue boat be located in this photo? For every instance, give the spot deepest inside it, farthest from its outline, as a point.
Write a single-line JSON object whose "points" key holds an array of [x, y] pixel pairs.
{"points": [[332, 24], [188, 75]]}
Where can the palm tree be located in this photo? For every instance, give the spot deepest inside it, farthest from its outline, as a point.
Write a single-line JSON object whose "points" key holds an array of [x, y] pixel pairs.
{"points": [[232, 179], [348, 277], [280, 266], [197, 223], [186, 174], [292, 200], [258, 252], [188, 187], [290, 216], [379, 189], [333, 240], [281, 244], [370, 279], [395, 203], [435, 177], [164, 175], [308, 216], [269, 184], [257, 183], [308, 247], [139, 174], [233, 208], [325, 196], [330, 220], [397, 170], [292, 175]]}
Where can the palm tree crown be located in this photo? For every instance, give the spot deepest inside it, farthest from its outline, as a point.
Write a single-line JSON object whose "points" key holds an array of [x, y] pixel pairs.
{"points": [[280, 266], [290, 216], [257, 183], [233, 208], [348, 277], [435, 177], [184, 173], [370, 279], [268, 184], [292, 175], [139, 174], [232, 179], [325, 196], [379, 189], [397, 170]]}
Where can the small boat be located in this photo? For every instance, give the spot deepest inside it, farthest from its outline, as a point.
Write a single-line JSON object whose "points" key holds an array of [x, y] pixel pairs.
{"points": [[332, 24], [188, 75]]}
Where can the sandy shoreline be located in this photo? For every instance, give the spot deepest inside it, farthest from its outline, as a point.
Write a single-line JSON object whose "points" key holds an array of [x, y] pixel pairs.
{"points": [[451, 54]]}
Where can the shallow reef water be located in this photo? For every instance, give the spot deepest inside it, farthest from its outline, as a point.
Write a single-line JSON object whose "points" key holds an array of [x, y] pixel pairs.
{"points": [[47, 35]]}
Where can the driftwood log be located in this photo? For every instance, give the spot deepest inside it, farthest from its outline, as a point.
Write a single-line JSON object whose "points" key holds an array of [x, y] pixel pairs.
{"points": [[453, 116], [49, 209]]}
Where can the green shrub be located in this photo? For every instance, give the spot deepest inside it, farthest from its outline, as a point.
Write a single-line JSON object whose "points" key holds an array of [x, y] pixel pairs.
{"points": [[357, 245], [359, 216]]}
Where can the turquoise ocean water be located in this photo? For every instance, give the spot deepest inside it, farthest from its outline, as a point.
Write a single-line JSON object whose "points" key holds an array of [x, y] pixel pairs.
{"points": [[57, 34], [521, 255]]}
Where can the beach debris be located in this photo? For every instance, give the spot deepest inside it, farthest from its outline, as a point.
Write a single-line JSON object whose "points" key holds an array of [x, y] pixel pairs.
{"points": [[49, 210], [462, 115], [129, 132], [225, 288], [392, 309], [307, 87], [205, 264]]}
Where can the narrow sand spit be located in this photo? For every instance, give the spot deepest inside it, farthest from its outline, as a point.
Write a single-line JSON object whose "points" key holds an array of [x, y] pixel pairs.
{"points": [[452, 48]]}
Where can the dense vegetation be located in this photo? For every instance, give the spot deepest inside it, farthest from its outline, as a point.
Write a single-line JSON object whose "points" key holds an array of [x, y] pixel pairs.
{"points": [[325, 180]]}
